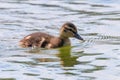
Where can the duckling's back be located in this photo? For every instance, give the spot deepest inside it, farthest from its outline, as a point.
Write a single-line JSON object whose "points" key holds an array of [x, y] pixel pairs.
{"points": [[42, 40]]}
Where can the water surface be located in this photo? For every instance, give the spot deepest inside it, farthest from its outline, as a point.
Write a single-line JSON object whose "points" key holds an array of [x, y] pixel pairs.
{"points": [[98, 22]]}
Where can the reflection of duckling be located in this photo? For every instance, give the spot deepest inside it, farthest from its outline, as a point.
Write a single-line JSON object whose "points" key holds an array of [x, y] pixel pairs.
{"points": [[65, 57], [44, 40]]}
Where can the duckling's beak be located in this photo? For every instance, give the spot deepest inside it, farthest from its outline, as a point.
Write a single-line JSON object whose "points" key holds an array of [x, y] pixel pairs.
{"points": [[78, 37]]}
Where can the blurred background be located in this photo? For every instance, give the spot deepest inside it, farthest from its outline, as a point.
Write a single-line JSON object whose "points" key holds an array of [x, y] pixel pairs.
{"points": [[98, 22]]}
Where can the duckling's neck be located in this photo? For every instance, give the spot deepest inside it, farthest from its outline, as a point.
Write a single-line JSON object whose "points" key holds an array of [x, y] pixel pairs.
{"points": [[65, 40]]}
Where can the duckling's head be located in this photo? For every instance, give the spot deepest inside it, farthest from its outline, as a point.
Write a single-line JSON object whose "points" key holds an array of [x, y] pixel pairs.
{"points": [[69, 30]]}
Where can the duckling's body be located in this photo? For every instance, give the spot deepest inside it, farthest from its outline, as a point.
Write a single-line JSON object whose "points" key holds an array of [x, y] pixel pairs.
{"points": [[44, 40]]}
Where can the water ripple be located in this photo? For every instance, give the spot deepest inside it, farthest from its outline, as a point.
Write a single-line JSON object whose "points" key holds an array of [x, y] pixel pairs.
{"points": [[97, 22]]}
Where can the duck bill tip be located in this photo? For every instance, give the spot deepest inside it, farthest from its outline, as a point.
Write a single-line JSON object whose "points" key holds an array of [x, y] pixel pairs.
{"points": [[79, 37]]}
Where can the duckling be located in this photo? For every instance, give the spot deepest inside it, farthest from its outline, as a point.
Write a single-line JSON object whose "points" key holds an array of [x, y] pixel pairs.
{"points": [[43, 40]]}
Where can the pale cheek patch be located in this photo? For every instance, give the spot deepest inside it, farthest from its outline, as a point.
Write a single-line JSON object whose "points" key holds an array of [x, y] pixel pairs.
{"points": [[28, 37]]}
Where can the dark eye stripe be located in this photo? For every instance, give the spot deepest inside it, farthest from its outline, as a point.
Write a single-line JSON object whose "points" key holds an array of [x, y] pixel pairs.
{"points": [[70, 30]]}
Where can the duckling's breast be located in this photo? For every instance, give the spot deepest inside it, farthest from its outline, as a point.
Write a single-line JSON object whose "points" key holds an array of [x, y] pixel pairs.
{"points": [[58, 42]]}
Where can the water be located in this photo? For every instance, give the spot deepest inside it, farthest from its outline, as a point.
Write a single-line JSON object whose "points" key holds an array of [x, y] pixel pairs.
{"points": [[98, 22]]}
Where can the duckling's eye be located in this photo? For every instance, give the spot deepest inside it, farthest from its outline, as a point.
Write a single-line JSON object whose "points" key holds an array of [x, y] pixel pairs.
{"points": [[71, 30], [68, 29]]}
